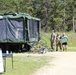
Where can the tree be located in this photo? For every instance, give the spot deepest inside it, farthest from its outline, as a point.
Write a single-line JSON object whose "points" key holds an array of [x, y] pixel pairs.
{"points": [[54, 14]]}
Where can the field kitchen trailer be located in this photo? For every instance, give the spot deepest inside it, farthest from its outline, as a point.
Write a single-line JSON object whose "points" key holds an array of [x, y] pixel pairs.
{"points": [[18, 31]]}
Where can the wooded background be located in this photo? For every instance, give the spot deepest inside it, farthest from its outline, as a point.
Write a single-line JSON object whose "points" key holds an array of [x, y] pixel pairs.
{"points": [[59, 15]]}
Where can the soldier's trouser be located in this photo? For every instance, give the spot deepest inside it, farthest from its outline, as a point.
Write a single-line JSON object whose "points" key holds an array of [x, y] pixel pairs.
{"points": [[52, 45], [58, 45]]}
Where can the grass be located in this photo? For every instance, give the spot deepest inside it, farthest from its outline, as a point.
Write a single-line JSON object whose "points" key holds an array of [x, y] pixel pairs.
{"points": [[72, 39], [25, 65], [71, 49]]}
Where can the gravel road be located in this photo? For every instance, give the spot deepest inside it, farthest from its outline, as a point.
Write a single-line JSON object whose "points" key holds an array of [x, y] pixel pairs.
{"points": [[63, 63]]}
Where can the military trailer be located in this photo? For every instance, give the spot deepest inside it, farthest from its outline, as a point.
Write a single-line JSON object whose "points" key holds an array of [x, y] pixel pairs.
{"points": [[18, 30]]}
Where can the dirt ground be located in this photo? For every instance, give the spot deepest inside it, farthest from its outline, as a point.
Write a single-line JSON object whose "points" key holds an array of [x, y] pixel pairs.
{"points": [[64, 63]]}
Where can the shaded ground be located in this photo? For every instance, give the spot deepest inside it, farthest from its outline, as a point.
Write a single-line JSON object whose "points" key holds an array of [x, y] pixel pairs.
{"points": [[64, 63]]}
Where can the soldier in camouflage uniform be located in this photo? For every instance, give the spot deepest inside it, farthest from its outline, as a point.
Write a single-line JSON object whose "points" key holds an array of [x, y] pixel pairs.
{"points": [[58, 42], [52, 39]]}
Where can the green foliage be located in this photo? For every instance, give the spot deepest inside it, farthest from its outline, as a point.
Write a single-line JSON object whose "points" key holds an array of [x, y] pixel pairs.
{"points": [[54, 14]]}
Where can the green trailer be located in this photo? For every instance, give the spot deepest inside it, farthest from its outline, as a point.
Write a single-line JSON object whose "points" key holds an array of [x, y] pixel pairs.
{"points": [[18, 29]]}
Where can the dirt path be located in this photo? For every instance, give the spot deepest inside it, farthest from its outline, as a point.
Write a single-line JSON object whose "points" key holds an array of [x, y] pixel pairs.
{"points": [[64, 63]]}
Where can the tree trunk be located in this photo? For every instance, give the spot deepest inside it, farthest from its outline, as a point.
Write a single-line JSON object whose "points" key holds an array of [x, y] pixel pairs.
{"points": [[46, 27], [73, 24]]}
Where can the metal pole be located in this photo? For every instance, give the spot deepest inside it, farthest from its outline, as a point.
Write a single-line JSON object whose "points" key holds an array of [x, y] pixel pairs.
{"points": [[12, 59], [4, 64]]}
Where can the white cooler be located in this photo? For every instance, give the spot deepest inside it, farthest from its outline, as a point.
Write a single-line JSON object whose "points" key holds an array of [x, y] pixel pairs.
{"points": [[1, 62]]}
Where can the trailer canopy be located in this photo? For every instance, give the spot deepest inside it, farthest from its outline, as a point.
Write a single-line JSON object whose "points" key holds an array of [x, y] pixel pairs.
{"points": [[19, 28]]}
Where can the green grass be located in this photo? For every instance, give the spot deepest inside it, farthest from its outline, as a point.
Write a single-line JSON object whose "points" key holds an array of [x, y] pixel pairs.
{"points": [[25, 65], [72, 39]]}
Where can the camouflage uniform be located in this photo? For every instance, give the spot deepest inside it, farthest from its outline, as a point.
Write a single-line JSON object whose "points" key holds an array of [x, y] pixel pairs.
{"points": [[58, 42], [52, 40]]}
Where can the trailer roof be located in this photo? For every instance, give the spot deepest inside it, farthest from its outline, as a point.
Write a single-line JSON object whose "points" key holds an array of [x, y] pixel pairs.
{"points": [[17, 15]]}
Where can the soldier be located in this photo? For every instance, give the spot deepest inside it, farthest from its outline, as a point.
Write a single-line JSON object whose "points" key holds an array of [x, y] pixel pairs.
{"points": [[65, 40], [58, 42], [52, 39]]}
